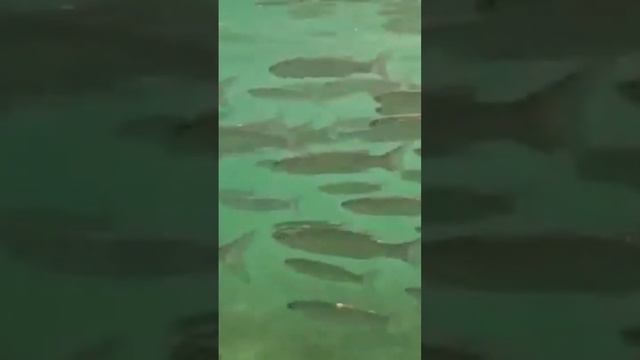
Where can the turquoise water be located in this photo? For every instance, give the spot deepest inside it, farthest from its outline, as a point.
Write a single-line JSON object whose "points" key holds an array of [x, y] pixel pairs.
{"points": [[254, 320]]}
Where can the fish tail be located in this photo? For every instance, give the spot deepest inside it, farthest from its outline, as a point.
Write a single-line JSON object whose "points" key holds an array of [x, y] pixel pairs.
{"points": [[555, 117], [410, 252], [394, 159], [379, 64], [234, 258]]}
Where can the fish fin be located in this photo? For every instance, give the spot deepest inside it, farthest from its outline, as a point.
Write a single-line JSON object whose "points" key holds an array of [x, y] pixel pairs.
{"points": [[394, 159], [234, 255], [379, 64]]}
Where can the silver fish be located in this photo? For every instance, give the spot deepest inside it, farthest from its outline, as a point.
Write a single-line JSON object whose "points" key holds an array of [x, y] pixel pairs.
{"points": [[340, 314], [328, 67]]}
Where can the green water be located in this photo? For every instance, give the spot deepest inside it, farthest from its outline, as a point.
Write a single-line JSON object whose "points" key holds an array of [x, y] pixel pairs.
{"points": [[62, 153], [254, 320]]}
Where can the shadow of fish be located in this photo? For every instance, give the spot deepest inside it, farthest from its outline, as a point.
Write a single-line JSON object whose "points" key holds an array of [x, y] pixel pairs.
{"points": [[79, 64], [614, 165], [630, 336], [546, 120], [105, 254], [452, 205]]}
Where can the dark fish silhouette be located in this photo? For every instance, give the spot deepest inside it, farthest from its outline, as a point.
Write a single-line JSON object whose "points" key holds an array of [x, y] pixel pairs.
{"points": [[614, 165], [51, 53], [537, 264]]}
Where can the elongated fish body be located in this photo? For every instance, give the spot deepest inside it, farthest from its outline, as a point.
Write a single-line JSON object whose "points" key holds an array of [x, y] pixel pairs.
{"points": [[104, 254], [324, 271], [339, 313], [328, 67], [384, 206], [350, 188], [340, 242], [339, 162]]}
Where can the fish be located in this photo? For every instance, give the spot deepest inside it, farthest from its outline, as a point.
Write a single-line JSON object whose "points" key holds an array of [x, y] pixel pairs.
{"points": [[80, 65], [281, 93], [302, 224], [548, 120], [338, 162], [305, 135], [544, 263], [231, 255], [629, 90], [394, 128], [391, 121], [384, 206], [111, 255], [329, 67], [414, 292], [413, 175], [340, 314], [342, 242], [234, 140], [455, 205], [408, 24], [350, 188], [320, 92], [248, 201], [399, 102], [325, 271], [177, 134], [630, 336]]}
